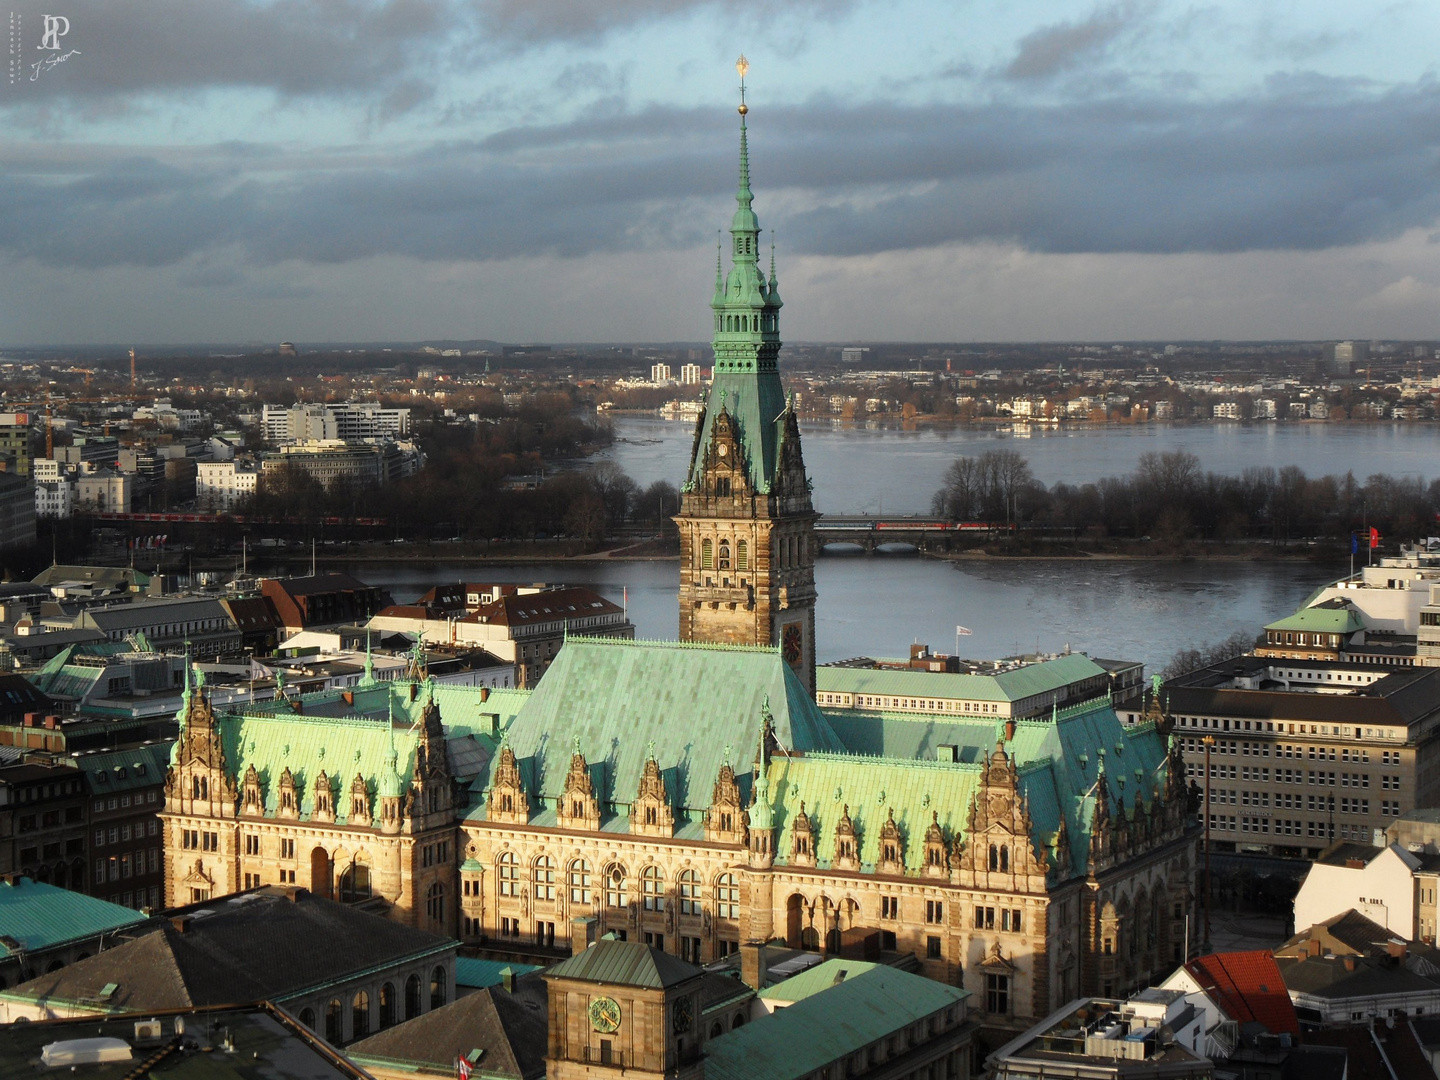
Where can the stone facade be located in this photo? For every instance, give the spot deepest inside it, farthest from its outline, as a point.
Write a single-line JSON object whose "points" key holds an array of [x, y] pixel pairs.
{"points": [[236, 824]]}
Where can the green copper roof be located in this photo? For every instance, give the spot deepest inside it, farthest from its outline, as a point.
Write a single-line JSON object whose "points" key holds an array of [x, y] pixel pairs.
{"points": [[625, 963], [1321, 620], [1024, 682], [478, 974], [341, 746], [122, 770], [871, 787], [37, 916], [828, 1027], [691, 701], [815, 980]]}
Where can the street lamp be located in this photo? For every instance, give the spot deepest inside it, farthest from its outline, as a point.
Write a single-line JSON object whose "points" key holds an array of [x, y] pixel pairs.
{"points": [[1208, 741]]}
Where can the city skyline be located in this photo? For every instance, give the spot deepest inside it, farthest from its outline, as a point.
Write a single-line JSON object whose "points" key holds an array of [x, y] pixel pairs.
{"points": [[429, 170]]}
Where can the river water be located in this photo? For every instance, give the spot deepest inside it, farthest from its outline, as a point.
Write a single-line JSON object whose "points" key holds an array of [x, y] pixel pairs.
{"points": [[877, 605]]}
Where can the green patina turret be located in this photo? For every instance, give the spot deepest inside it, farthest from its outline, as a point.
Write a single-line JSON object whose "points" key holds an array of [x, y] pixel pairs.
{"points": [[746, 338], [746, 522]]}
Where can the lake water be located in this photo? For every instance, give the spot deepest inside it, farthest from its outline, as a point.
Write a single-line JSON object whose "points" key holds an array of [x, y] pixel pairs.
{"points": [[886, 470], [877, 605]]}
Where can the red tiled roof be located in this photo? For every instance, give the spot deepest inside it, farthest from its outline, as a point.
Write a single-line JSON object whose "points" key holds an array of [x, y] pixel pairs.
{"points": [[1248, 986]]}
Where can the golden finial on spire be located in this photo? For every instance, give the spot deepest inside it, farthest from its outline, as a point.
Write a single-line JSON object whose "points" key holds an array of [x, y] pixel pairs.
{"points": [[743, 67]]}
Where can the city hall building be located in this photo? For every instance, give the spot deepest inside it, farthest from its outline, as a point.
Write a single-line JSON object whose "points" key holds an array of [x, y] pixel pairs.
{"points": [[692, 795]]}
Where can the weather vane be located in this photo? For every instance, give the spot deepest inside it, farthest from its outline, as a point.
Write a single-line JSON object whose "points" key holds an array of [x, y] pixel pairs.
{"points": [[742, 66]]}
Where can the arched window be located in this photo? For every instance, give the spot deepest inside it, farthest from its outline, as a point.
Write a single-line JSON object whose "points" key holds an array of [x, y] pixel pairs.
{"points": [[508, 871], [994, 857], [615, 887], [307, 1017], [355, 883], [412, 997], [387, 1005], [690, 901], [435, 902], [580, 891], [437, 988], [544, 878], [742, 555], [360, 1015], [332, 1022], [724, 554], [1004, 857], [727, 897], [652, 889], [707, 554]]}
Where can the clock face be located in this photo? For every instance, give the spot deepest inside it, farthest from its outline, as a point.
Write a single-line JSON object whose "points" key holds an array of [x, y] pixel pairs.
{"points": [[791, 646], [605, 1015], [681, 1015]]}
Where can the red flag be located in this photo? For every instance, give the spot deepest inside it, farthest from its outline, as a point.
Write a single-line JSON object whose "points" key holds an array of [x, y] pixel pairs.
{"points": [[1374, 537], [463, 1069]]}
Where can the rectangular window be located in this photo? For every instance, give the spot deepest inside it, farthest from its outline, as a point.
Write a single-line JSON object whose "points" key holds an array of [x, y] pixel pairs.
{"points": [[932, 948], [934, 911], [997, 994], [889, 907]]}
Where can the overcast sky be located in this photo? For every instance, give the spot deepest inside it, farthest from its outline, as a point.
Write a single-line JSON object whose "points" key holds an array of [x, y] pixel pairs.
{"points": [[556, 170]]}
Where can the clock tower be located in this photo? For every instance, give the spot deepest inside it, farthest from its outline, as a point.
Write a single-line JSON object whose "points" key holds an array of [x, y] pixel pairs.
{"points": [[747, 526], [625, 1008]]}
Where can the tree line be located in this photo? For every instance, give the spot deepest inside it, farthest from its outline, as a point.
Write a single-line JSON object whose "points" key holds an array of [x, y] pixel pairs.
{"points": [[1172, 498]]}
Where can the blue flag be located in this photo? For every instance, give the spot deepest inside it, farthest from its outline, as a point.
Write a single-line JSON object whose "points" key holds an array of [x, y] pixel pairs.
{"points": [[1354, 543]]}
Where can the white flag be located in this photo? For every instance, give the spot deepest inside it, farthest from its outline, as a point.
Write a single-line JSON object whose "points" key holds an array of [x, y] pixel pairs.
{"points": [[962, 631]]}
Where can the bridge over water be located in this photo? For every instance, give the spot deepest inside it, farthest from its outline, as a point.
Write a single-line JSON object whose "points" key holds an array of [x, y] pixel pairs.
{"points": [[916, 531]]}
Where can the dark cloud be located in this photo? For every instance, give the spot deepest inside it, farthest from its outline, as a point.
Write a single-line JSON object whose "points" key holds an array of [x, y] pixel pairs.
{"points": [[1060, 47], [390, 50], [294, 47], [1290, 171]]}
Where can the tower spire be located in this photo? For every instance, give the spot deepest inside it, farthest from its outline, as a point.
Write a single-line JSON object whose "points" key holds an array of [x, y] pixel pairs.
{"points": [[743, 196]]}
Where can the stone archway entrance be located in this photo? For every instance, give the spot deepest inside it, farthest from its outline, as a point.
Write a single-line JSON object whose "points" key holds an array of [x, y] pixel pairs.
{"points": [[320, 875], [794, 920]]}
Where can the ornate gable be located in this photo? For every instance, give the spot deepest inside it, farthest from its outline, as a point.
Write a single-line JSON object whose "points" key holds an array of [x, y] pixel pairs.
{"points": [[726, 820], [289, 803], [847, 843], [651, 813], [323, 808], [802, 839], [252, 800], [578, 807], [891, 858], [359, 802], [507, 801], [999, 851], [937, 854], [199, 781]]}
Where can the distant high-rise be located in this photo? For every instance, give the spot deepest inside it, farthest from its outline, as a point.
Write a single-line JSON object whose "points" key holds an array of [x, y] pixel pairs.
{"points": [[747, 539], [1343, 357]]}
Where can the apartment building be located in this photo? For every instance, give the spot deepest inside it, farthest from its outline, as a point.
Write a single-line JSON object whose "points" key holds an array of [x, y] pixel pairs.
{"points": [[346, 420], [1307, 752], [223, 485]]}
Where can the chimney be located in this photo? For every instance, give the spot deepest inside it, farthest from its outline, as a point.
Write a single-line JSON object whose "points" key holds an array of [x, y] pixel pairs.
{"points": [[348, 696], [752, 964], [1349, 963], [507, 979], [1010, 730], [582, 933], [484, 694], [52, 722], [181, 923], [30, 719], [1396, 948], [1313, 947]]}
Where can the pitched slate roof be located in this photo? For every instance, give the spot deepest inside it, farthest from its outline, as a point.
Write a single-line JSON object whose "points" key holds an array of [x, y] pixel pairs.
{"points": [[509, 1030], [263, 945], [126, 770], [625, 963], [828, 1026], [19, 696], [617, 697], [1248, 986], [36, 916]]}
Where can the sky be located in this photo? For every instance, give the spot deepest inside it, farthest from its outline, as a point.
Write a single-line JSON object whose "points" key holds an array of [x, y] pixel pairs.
{"points": [[242, 171]]}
